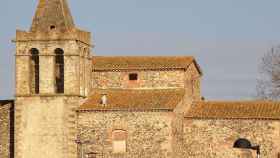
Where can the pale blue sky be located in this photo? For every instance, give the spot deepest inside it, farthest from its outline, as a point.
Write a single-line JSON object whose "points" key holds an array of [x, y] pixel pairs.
{"points": [[227, 37]]}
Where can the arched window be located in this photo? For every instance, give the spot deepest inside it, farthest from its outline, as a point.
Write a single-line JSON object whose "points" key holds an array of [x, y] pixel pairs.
{"points": [[34, 71], [59, 70], [119, 141]]}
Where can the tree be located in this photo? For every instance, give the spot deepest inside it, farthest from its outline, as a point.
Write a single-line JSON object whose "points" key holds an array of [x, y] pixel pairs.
{"points": [[268, 85]]}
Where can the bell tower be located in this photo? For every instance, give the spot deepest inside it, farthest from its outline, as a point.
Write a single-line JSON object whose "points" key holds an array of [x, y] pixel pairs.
{"points": [[53, 67]]}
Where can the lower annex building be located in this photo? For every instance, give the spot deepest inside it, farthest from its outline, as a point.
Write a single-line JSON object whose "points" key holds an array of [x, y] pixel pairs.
{"points": [[72, 104]]}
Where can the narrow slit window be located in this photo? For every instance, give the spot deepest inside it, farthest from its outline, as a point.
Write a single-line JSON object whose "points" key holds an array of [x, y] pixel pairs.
{"points": [[133, 77], [59, 70], [34, 71]]}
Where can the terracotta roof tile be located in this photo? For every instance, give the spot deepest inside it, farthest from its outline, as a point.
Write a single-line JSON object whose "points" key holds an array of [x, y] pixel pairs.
{"points": [[138, 62], [120, 99], [234, 110]]}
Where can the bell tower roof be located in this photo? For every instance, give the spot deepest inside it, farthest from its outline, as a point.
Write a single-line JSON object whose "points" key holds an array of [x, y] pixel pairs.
{"points": [[53, 21], [52, 14]]}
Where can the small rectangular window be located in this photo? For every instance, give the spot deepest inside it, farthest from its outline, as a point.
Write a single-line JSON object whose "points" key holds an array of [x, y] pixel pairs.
{"points": [[133, 77]]}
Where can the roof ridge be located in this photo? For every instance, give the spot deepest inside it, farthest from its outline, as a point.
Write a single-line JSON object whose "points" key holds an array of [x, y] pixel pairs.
{"points": [[138, 89], [250, 109], [142, 62], [236, 101], [134, 99], [128, 56], [95, 90]]}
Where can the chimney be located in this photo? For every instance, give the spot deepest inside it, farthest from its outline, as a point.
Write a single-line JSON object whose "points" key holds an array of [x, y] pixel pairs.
{"points": [[104, 99]]}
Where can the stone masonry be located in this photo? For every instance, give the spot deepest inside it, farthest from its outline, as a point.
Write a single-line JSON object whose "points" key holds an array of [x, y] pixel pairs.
{"points": [[5, 129], [147, 79], [46, 122], [148, 132], [72, 104], [214, 138], [189, 79]]}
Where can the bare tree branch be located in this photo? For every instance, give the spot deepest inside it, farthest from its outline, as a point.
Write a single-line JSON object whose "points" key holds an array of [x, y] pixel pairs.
{"points": [[268, 86]]}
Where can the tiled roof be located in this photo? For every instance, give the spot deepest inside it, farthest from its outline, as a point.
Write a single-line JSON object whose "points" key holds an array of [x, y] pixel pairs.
{"points": [[120, 99], [234, 110], [144, 62]]}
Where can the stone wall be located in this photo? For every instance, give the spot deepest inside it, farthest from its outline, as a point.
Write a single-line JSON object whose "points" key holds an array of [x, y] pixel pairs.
{"points": [[45, 127], [148, 133], [215, 138], [151, 79], [46, 122], [77, 67], [192, 82], [146, 79], [5, 130]]}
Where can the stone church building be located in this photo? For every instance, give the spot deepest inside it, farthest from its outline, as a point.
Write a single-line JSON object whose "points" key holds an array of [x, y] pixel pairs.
{"points": [[70, 103]]}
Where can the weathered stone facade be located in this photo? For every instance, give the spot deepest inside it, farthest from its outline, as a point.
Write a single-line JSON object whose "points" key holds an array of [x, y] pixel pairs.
{"points": [[46, 119], [48, 107], [189, 79], [46, 126], [6, 125], [146, 79], [134, 107], [148, 132], [76, 63], [192, 82], [215, 138]]}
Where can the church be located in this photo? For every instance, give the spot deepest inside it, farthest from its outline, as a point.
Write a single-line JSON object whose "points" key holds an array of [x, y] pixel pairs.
{"points": [[70, 103]]}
